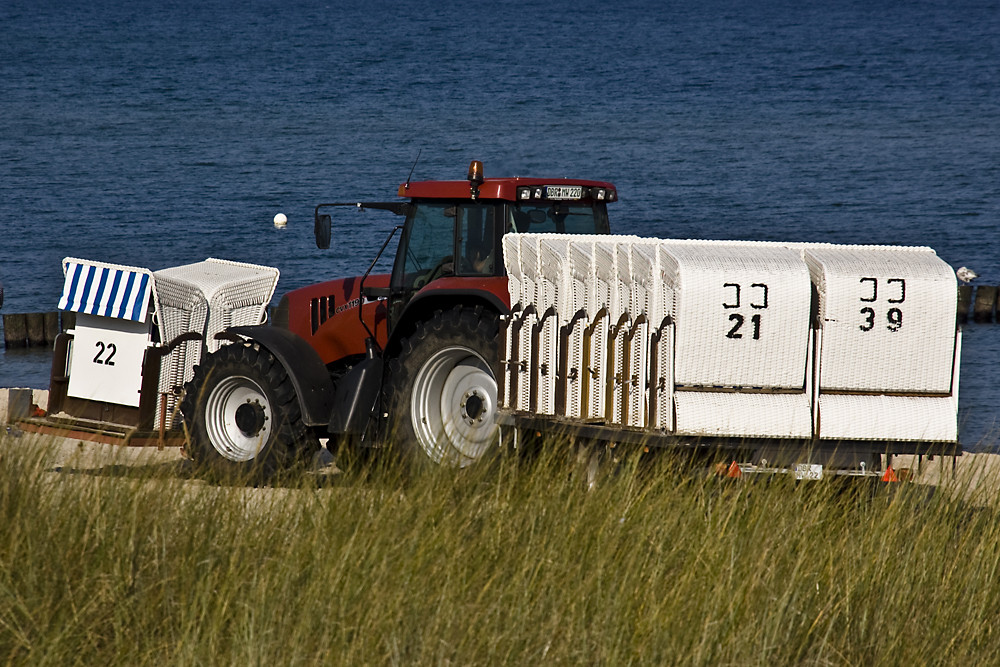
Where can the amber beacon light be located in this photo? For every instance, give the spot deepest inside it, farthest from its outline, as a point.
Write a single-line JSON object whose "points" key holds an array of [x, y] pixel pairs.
{"points": [[476, 177]]}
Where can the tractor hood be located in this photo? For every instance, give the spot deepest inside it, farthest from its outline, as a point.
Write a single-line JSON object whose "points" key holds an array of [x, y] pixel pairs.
{"points": [[326, 315]]}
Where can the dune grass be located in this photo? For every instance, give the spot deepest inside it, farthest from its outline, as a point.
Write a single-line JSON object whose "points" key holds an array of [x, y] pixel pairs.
{"points": [[514, 562]]}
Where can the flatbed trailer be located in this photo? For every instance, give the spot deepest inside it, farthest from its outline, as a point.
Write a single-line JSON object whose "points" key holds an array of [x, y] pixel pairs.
{"points": [[807, 358]]}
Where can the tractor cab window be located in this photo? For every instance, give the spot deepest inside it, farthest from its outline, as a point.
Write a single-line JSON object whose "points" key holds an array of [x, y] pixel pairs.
{"points": [[558, 217], [437, 233], [477, 240], [428, 246]]}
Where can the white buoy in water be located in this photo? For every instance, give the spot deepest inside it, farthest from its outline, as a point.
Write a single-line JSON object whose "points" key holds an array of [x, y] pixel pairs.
{"points": [[280, 220]]}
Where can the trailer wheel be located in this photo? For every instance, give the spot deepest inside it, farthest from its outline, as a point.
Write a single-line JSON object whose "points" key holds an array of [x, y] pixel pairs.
{"points": [[242, 414], [442, 397]]}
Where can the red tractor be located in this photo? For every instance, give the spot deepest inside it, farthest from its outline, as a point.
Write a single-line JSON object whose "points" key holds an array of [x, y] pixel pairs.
{"points": [[409, 358]]}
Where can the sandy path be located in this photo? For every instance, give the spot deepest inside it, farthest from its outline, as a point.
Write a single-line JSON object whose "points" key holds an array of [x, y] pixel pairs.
{"points": [[975, 477]]}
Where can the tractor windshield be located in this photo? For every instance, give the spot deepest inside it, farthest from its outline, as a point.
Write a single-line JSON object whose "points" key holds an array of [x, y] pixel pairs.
{"points": [[558, 217], [460, 238]]}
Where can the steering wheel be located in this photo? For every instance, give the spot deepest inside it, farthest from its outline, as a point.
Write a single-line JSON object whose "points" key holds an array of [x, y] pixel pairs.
{"points": [[445, 266]]}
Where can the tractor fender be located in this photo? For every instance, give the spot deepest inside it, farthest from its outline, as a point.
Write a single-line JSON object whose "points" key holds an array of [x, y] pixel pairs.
{"points": [[306, 370], [430, 299]]}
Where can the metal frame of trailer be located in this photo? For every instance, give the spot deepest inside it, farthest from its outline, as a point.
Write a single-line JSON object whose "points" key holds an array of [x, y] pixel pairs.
{"points": [[749, 455]]}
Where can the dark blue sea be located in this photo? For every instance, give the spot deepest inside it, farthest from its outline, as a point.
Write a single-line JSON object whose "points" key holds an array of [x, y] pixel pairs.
{"points": [[158, 133]]}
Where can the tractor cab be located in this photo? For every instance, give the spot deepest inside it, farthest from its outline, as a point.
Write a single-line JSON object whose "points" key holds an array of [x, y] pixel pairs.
{"points": [[452, 231]]}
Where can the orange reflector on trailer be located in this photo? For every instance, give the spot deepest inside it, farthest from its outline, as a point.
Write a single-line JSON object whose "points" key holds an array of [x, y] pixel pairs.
{"points": [[734, 471], [889, 475]]}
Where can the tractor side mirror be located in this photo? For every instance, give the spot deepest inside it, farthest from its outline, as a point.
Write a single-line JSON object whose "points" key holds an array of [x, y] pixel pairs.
{"points": [[321, 228]]}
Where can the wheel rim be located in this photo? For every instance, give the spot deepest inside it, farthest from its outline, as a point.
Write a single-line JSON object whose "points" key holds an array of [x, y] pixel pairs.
{"points": [[453, 406], [238, 418]]}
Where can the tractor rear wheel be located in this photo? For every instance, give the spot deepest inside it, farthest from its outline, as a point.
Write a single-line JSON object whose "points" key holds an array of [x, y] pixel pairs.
{"points": [[442, 397], [242, 414]]}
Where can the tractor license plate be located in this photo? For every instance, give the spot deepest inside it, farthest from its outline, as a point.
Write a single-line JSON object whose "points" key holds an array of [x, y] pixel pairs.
{"points": [[563, 191], [811, 471]]}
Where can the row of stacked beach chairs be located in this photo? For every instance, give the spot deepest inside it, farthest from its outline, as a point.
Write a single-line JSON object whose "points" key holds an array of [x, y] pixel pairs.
{"points": [[732, 338]]}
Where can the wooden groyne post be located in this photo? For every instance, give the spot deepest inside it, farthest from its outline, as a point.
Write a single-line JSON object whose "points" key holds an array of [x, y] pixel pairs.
{"points": [[15, 330], [964, 303], [985, 303]]}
